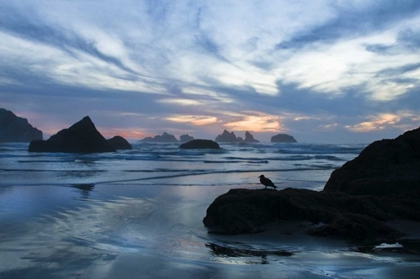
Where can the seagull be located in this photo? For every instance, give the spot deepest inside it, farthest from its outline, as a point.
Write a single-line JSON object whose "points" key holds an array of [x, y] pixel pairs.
{"points": [[266, 182]]}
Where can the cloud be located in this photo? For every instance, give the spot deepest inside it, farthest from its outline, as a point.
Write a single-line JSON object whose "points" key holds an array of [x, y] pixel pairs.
{"points": [[383, 121], [146, 65], [182, 102], [353, 20], [255, 122], [197, 120]]}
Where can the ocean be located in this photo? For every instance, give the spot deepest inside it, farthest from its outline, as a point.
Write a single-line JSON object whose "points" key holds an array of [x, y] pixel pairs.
{"points": [[138, 214]]}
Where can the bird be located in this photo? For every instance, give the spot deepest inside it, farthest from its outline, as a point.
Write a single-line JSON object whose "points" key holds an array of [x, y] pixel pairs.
{"points": [[266, 182]]}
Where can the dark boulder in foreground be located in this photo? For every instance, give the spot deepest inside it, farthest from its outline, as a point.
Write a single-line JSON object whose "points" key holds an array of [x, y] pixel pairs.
{"points": [[82, 137], [381, 184], [119, 142], [16, 129], [283, 138], [384, 167], [186, 138], [165, 137], [249, 137], [333, 214], [200, 144]]}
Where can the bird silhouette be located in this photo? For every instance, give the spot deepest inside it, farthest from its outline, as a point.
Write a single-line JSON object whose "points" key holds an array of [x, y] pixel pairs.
{"points": [[266, 182]]}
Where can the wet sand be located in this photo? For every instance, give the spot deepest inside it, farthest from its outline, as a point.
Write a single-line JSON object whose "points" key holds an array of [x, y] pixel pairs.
{"points": [[151, 231]]}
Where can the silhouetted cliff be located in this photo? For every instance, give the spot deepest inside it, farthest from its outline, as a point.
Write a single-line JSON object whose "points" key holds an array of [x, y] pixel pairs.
{"points": [[16, 129]]}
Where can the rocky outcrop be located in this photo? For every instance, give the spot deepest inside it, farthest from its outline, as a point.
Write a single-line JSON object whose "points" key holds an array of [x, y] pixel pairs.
{"points": [[82, 137], [249, 137], [380, 185], [165, 137], [16, 129], [333, 214], [186, 138], [119, 142], [282, 138], [384, 167], [200, 144], [227, 137]]}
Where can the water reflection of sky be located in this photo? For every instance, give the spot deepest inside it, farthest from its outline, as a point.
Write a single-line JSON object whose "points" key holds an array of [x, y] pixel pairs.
{"points": [[130, 231]]}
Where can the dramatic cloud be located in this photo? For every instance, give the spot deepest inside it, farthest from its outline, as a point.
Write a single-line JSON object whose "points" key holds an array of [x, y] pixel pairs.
{"points": [[382, 121], [313, 68], [255, 122]]}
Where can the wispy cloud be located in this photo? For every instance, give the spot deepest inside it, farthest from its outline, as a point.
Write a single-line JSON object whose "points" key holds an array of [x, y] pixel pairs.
{"points": [[383, 121], [255, 122], [268, 65], [197, 120]]}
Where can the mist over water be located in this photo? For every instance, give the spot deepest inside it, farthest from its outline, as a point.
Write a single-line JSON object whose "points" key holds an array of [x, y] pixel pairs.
{"points": [[138, 214]]}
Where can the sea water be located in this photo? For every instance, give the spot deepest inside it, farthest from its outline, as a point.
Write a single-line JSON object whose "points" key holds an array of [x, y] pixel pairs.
{"points": [[138, 214]]}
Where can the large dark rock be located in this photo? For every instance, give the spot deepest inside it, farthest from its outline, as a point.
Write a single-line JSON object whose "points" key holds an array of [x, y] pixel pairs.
{"points": [[381, 184], [333, 214], [200, 144], [165, 137], [16, 129], [249, 137], [82, 137], [186, 138], [283, 138], [384, 167], [119, 142], [228, 137]]}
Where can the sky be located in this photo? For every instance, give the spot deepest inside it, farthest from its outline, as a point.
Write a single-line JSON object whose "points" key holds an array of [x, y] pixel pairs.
{"points": [[319, 70]]}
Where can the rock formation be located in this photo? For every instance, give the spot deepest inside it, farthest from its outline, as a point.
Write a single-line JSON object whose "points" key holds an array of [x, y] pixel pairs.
{"points": [[282, 138], [186, 138], [16, 129], [119, 142], [165, 137], [81, 137], [380, 185], [384, 167], [200, 144], [227, 137], [333, 214], [249, 137]]}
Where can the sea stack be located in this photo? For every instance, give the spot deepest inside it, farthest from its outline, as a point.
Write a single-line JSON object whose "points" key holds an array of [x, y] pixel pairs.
{"points": [[81, 137], [200, 144], [226, 136], [165, 137], [186, 138], [16, 129], [283, 138], [249, 137], [119, 142]]}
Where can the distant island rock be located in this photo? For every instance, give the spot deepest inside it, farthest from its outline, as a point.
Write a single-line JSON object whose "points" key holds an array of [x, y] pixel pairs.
{"points": [[81, 137], [200, 144], [119, 142], [359, 199], [186, 138], [165, 137], [282, 138], [228, 137], [16, 129], [249, 137]]}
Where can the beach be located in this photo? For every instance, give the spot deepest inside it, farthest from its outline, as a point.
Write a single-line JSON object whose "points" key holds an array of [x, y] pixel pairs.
{"points": [[138, 214]]}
